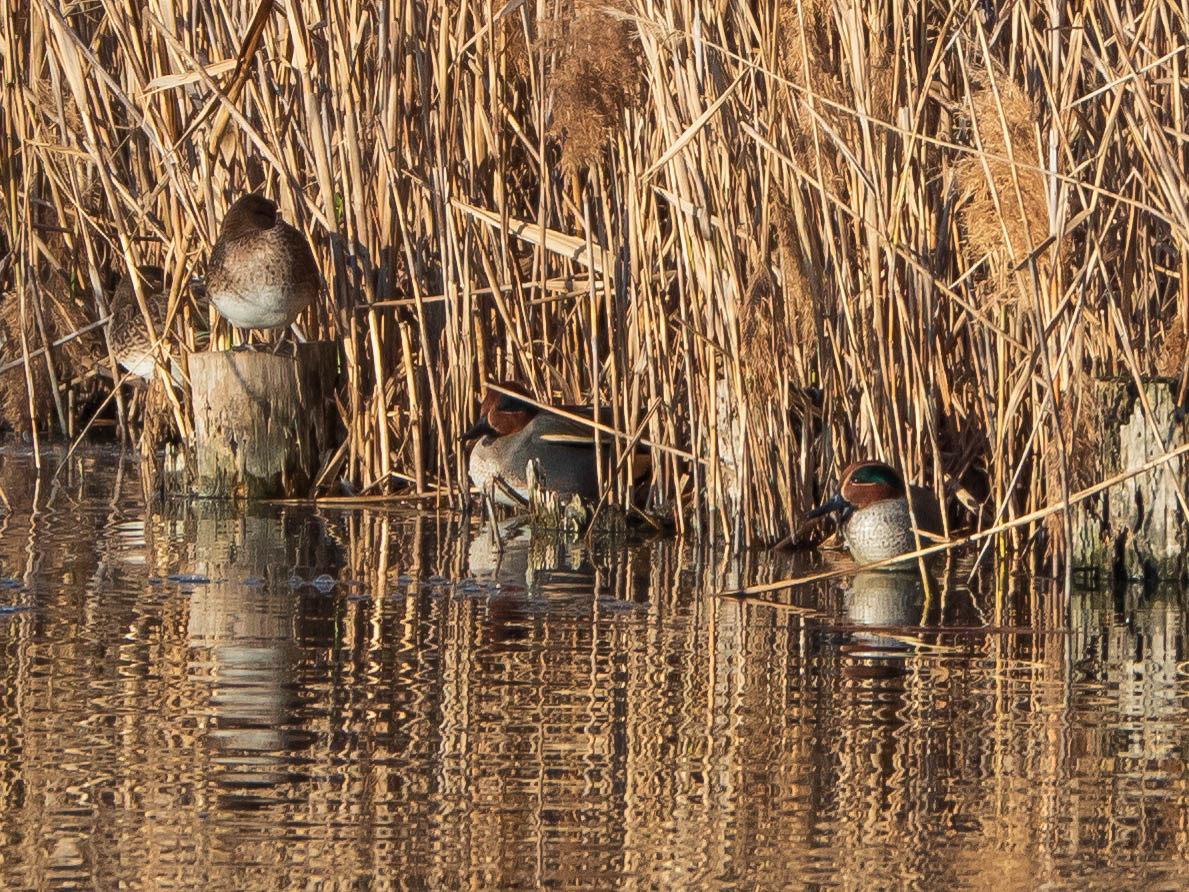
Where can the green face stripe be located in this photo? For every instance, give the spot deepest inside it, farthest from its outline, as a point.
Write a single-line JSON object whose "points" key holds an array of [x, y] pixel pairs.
{"points": [[877, 474]]}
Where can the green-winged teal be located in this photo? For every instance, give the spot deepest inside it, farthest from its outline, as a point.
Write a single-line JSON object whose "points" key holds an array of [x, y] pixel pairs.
{"points": [[261, 272], [876, 522], [130, 344], [512, 432]]}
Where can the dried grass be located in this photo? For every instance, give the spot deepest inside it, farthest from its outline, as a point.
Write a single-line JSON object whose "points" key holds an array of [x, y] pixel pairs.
{"points": [[1169, 358], [55, 316], [947, 226], [1004, 208], [594, 80]]}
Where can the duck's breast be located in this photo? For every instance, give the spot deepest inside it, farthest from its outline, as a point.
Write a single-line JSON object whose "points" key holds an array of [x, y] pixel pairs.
{"points": [[493, 457], [880, 531], [264, 280]]}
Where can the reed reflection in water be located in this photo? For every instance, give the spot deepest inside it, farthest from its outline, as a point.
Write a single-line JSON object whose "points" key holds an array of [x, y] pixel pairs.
{"points": [[385, 698]]}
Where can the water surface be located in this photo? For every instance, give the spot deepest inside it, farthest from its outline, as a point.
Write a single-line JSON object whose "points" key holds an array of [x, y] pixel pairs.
{"points": [[381, 698]]}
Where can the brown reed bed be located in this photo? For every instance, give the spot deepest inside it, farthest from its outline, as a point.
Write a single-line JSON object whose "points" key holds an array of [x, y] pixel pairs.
{"points": [[772, 238]]}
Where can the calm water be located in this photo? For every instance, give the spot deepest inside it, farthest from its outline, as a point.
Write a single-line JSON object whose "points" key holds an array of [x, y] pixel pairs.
{"points": [[370, 698]]}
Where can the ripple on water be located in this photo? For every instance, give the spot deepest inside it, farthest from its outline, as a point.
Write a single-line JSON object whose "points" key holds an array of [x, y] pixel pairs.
{"points": [[261, 698]]}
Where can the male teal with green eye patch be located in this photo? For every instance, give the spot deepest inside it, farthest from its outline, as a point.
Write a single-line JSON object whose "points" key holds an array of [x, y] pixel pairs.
{"points": [[876, 521]]}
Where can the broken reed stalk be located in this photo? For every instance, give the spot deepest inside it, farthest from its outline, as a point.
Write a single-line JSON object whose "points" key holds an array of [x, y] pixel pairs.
{"points": [[947, 226]]}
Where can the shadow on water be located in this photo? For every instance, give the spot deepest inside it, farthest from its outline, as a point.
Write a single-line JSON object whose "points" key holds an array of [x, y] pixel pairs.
{"points": [[391, 698]]}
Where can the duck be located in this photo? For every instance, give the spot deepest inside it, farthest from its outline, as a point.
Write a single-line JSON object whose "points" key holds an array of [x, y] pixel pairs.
{"points": [[877, 524], [512, 432], [261, 273], [126, 331]]}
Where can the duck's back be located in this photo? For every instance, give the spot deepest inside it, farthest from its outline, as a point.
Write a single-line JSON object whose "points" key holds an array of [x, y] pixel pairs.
{"points": [[129, 338], [563, 449]]}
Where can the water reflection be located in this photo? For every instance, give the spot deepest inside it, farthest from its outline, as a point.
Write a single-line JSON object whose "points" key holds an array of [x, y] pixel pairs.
{"points": [[243, 621], [510, 554], [892, 599], [261, 699], [1133, 647]]}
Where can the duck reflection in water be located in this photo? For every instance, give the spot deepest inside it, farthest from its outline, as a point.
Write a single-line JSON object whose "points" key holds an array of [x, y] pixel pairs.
{"points": [[543, 563], [906, 608], [532, 571], [891, 600]]}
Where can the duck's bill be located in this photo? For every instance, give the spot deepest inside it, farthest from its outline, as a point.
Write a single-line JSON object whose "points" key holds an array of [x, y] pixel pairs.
{"points": [[479, 429], [838, 503]]}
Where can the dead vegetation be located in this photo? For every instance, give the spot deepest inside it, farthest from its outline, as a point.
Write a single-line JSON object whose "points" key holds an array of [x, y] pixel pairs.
{"points": [[817, 231]]}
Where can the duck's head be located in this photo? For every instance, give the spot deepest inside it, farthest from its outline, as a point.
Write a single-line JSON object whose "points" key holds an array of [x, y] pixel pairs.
{"points": [[152, 281], [250, 213], [502, 414], [863, 483]]}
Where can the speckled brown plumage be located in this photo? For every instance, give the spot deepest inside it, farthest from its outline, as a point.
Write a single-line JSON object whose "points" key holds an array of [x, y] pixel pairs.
{"points": [[261, 272], [126, 330]]}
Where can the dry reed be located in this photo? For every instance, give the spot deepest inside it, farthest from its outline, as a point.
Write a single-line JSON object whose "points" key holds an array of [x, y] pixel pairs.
{"points": [[690, 212]]}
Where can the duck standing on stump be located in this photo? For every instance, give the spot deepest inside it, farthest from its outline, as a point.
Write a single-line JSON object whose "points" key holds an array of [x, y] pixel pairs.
{"points": [[261, 273], [876, 521], [512, 432]]}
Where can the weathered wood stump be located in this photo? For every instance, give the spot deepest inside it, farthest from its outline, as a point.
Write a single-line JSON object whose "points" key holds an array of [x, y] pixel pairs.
{"points": [[261, 422], [1135, 530]]}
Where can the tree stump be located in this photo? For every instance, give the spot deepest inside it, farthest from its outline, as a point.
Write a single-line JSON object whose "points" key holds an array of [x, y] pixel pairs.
{"points": [[261, 422], [1135, 530]]}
